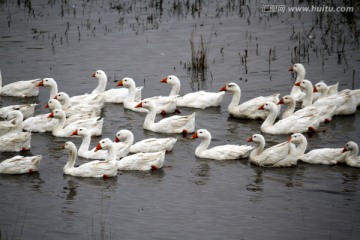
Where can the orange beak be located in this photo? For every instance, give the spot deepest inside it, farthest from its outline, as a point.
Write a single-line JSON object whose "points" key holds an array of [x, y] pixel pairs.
{"points": [[315, 89], [250, 139], [63, 146], [74, 133], [51, 115], [139, 105], [98, 147], [40, 84], [289, 139], [261, 107], [297, 84], [46, 105], [117, 139], [55, 97], [164, 80], [291, 69], [281, 101], [93, 75], [119, 84], [223, 88], [195, 135], [344, 150]]}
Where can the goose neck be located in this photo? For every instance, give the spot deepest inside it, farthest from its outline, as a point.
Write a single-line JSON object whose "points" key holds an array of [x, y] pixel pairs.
{"points": [[204, 144], [101, 85], [85, 144], [71, 160]]}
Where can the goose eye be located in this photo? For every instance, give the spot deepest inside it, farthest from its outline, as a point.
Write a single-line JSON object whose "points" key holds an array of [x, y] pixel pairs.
{"points": [[295, 65], [200, 132], [170, 78], [254, 137], [46, 80]]}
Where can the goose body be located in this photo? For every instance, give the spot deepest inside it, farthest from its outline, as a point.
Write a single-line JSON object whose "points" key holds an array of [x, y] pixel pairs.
{"points": [[280, 155], [250, 108], [112, 95], [83, 107], [19, 89], [20, 165], [325, 113], [352, 158], [224, 152], [26, 109], [163, 105], [15, 142], [326, 156], [95, 169], [153, 145], [288, 125], [200, 99], [173, 124], [142, 161], [60, 130]]}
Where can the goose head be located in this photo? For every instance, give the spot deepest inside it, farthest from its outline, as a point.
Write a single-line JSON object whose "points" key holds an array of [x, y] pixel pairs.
{"points": [[53, 104], [15, 114], [57, 113], [202, 134], [298, 68], [320, 87], [146, 104], [69, 145], [231, 87], [171, 79], [269, 107], [81, 132], [122, 135], [46, 82], [305, 85], [62, 97], [297, 138], [104, 144], [126, 82], [351, 146], [256, 138], [99, 74], [287, 99]]}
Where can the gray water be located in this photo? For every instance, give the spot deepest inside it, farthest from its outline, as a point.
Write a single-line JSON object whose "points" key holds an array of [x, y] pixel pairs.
{"points": [[190, 198]]}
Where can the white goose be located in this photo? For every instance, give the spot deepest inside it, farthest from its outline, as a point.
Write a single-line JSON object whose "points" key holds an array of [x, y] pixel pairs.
{"points": [[20, 88], [345, 101], [248, 109], [326, 156], [20, 165], [142, 161], [163, 105], [95, 169], [83, 150], [15, 142], [26, 109], [352, 158], [173, 124], [60, 130], [277, 155], [324, 90], [84, 108], [200, 99], [88, 98], [325, 113], [14, 123], [296, 92], [291, 124], [224, 152], [153, 145], [112, 95]]}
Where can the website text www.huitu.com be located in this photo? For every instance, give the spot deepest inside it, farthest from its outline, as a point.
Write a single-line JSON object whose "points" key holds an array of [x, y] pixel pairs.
{"points": [[324, 8]]}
